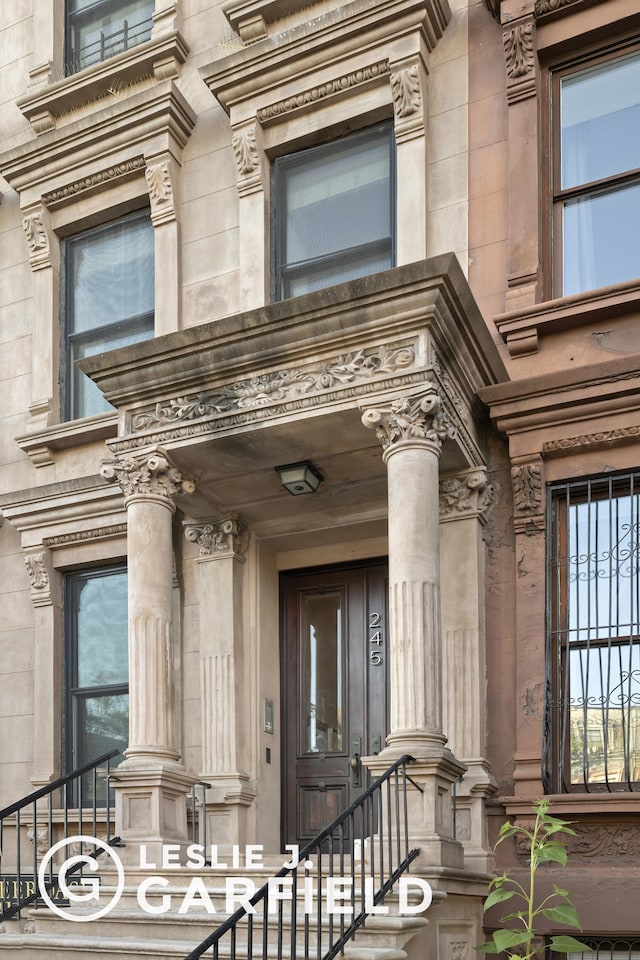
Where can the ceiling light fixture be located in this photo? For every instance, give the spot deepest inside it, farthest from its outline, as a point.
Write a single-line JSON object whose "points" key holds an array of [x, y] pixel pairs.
{"points": [[300, 477]]}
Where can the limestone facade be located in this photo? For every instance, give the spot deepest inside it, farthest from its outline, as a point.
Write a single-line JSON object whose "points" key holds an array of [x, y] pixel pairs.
{"points": [[444, 399]]}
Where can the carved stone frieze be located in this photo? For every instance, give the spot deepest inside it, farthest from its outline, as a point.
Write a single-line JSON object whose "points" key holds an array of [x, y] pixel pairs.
{"points": [[410, 418], [406, 92], [158, 177], [543, 7], [37, 570], [218, 538], [79, 536], [527, 488], [468, 495], [279, 386], [605, 841], [614, 437], [151, 475], [322, 91], [71, 190], [518, 49], [459, 950]]}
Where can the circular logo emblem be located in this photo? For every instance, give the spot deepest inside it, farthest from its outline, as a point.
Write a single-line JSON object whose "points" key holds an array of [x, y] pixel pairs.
{"points": [[84, 890]]}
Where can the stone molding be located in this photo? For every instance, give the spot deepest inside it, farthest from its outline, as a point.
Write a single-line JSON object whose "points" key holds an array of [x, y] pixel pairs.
{"points": [[218, 539], [407, 419], [519, 50], [347, 81], [95, 181], [45, 586], [37, 235], [528, 497], [465, 496], [590, 441], [406, 92], [149, 475], [161, 192], [37, 571]]}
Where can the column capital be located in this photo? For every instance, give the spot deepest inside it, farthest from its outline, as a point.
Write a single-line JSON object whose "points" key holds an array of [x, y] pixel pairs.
{"points": [[218, 538], [151, 475], [415, 419], [466, 495]]}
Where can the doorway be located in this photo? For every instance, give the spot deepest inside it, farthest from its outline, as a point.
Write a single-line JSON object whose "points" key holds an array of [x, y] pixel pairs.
{"points": [[334, 685]]}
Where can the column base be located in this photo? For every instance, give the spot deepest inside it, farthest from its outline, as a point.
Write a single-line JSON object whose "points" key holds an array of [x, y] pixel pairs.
{"points": [[228, 802], [151, 809], [429, 796], [471, 820]]}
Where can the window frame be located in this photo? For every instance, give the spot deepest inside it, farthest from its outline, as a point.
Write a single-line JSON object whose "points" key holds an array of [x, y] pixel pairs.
{"points": [[561, 495], [559, 197], [74, 694], [70, 376], [74, 17], [279, 208]]}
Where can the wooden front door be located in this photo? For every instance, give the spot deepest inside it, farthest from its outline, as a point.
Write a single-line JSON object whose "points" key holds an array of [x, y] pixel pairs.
{"points": [[334, 669]]}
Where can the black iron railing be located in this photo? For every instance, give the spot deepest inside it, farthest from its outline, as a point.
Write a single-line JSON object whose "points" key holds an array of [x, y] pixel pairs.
{"points": [[366, 847], [67, 807], [198, 811]]}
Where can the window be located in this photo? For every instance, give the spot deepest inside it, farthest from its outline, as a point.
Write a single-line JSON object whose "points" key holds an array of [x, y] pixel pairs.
{"points": [[97, 672], [606, 948], [593, 690], [598, 180], [335, 213], [98, 29], [109, 302]]}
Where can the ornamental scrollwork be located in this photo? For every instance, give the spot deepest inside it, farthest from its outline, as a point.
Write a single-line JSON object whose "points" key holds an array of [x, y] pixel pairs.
{"points": [[246, 151], [464, 495], [409, 418], [518, 48], [218, 538], [159, 182], [37, 571], [527, 488], [278, 386], [35, 233], [152, 475]]}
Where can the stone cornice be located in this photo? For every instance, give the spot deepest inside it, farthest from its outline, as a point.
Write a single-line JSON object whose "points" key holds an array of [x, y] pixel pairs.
{"points": [[158, 57], [363, 25], [156, 119], [50, 513]]}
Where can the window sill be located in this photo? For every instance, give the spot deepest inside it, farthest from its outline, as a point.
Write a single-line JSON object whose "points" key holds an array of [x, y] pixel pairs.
{"points": [[576, 804], [521, 329], [41, 447], [156, 58]]}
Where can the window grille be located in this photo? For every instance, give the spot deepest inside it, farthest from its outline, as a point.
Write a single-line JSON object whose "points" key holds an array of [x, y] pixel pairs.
{"points": [[592, 717]]}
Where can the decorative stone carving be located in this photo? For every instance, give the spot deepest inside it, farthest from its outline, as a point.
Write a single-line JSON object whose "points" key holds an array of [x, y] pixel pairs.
{"points": [[218, 538], [42, 839], [527, 488], [467, 495], [605, 841], [246, 151], [158, 177], [37, 571], [37, 240], [418, 417], [150, 475], [543, 7], [406, 93], [459, 950], [518, 48], [618, 436], [78, 536], [71, 190], [279, 385], [328, 89]]}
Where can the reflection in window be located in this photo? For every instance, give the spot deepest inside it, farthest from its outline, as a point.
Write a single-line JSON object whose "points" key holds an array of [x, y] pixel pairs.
{"points": [[96, 665], [109, 301], [593, 696], [335, 212], [599, 188], [99, 29], [323, 668]]}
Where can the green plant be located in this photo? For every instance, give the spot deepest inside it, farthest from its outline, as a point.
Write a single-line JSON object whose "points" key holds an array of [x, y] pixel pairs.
{"points": [[544, 847]]}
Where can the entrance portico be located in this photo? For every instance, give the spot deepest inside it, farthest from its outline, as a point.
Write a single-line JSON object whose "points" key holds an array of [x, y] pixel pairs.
{"points": [[224, 403]]}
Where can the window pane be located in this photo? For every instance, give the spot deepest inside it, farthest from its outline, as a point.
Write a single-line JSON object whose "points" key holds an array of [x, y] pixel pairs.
{"points": [[322, 668], [102, 649], [599, 239], [336, 212], [600, 122], [98, 30], [110, 300]]}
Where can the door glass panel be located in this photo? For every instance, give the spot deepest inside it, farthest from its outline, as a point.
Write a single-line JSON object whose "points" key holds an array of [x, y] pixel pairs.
{"points": [[322, 672]]}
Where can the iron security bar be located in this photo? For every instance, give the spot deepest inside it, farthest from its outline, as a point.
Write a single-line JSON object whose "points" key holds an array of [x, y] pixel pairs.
{"points": [[366, 846]]}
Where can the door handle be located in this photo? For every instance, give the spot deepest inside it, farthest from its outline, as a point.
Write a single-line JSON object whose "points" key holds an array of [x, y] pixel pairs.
{"points": [[355, 763]]}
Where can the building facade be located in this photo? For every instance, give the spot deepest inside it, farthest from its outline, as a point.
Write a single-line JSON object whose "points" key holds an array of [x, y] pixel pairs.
{"points": [[388, 243]]}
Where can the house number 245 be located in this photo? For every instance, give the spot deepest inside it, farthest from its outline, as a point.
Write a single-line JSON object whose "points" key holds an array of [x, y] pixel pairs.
{"points": [[375, 637]]}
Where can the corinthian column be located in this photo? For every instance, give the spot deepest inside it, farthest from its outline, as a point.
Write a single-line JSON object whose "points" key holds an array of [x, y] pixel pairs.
{"points": [[411, 430], [151, 783]]}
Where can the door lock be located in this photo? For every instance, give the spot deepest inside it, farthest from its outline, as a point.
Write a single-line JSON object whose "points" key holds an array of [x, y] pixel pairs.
{"points": [[356, 763]]}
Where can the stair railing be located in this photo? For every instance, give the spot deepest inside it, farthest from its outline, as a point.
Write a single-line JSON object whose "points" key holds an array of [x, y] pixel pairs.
{"points": [[64, 808], [366, 846]]}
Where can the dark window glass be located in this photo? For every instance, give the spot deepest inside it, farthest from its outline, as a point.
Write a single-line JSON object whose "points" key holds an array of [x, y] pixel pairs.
{"points": [[97, 714], [335, 212], [99, 29], [109, 301], [593, 692]]}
